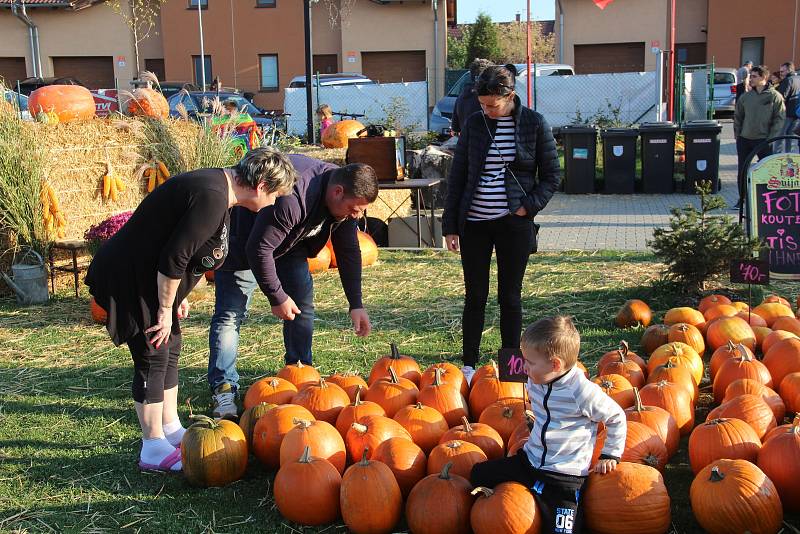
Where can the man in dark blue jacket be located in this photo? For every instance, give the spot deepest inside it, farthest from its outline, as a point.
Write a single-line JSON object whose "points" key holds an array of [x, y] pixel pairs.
{"points": [[270, 250]]}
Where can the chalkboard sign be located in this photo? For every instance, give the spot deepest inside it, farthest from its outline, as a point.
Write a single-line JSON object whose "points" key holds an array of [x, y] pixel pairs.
{"points": [[754, 272], [774, 212], [512, 365]]}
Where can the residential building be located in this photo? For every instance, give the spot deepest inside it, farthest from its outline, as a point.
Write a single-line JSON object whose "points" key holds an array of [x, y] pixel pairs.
{"points": [[258, 46], [84, 39]]}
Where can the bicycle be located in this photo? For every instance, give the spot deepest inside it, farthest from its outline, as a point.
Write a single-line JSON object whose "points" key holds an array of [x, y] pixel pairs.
{"points": [[277, 130]]}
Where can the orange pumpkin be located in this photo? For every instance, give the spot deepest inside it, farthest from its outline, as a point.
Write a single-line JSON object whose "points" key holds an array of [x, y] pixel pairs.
{"points": [[337, 134], [712, 300], [741, 306], [675, 371], [725, 353], [300, 375], [509, 508], [747, 386], [405, 459], [271, 389], [321, 262], [370, 498], [655, 336], [480, 434], [658, 419], [99, 315], [490, 389], [440, 502], [644, 446], [783, 358], [404, 366], [622, 350], [634, 312], [462, 454], [773, 337], [778, 299], [672, 398], [249, 418], [790, 391], [683, 353], [213, 453], [353, 412], [450, 374], [686, 333], [392, 393], [771, 311], [734, 329], [618, 388], [504, 416], [749, 408], [720, 310], [781, 429], [446, 398], [684, 314], [744, 366], [753, 319], [367, 245], [271, 428], [323, 439], [146, 102], [364, 436], [69, 102], [324, 400], [625, 368], [779, 458], [321, 484], [425, 424], [722, 438], [349, 382], [761, 333]]}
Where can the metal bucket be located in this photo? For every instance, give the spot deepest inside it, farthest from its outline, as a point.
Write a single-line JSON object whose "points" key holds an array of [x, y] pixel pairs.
{"points": [[29, 280]]}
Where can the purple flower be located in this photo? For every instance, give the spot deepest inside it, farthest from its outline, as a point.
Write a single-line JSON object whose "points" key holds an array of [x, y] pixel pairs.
{"points": [[101, 232]]}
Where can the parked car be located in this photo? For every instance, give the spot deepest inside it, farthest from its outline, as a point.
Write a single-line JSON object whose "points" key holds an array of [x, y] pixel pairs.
{"points": [[724, 90], [332, 79], [29, 85], [19, 101], [199, 103], [442, 112]]}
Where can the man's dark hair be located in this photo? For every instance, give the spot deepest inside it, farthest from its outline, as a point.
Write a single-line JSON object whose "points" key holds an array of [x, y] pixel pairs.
{"points": [[761, 70], [477, 67], [789, 66], [358, 181], [496, 81]]}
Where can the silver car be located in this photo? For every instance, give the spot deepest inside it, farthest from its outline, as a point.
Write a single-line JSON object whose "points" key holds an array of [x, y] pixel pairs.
{"points": [[443, 110], [725, 90]]}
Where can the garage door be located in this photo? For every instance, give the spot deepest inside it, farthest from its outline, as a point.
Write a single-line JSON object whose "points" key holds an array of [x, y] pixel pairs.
{"points": [[390, 67], [617, 57], [326, 63], [12, 69], [95, 72]]}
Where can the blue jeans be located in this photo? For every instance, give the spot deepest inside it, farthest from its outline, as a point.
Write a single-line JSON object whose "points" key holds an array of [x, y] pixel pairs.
{"points": [[233, 294]]}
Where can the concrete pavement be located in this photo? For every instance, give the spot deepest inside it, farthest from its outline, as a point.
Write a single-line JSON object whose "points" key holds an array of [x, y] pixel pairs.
{"points": [[623, 222]]}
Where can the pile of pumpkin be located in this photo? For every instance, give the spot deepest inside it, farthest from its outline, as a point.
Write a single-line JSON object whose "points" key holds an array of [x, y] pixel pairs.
{"points": [[357, 449], [746, 461], [64, 103]]}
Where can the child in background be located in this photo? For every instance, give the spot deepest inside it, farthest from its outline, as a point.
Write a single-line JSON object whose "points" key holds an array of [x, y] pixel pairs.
{"points": [[325, 116], [554, 463]]}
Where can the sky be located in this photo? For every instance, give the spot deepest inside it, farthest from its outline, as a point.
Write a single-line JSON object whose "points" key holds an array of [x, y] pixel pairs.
{"points": [[505, 10]]}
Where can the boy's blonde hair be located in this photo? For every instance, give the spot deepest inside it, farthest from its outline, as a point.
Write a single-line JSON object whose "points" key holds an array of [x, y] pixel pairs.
{"points": [[325, 111], [555, 337]]}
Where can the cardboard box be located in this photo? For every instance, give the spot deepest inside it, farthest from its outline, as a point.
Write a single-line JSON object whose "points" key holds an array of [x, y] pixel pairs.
{"points": [[403, 231]]}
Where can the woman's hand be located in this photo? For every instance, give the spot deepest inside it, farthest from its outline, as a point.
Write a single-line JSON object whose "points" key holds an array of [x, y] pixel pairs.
{"points": [[521, 211], [162, 328], [452, 242], [183, 309]]}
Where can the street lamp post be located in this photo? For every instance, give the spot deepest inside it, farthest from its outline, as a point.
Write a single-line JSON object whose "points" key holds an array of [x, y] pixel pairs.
{"points": [[202, 50]]}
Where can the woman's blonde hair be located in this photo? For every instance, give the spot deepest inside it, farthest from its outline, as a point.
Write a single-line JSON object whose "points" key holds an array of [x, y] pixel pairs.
{"points": [[325, 111]]}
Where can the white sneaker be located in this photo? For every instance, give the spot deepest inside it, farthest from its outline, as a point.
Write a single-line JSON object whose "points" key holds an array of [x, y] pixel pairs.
{"points": [[224, 403], [468, 372]]}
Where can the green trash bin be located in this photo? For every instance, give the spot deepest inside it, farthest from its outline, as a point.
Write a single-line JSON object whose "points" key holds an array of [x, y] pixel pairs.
{"points": [[619, 160], [658, 157], [702, 154], [580, 155]]}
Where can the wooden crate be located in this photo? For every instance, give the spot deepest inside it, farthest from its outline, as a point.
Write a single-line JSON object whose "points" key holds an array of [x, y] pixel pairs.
{"points": [[387, 155]]}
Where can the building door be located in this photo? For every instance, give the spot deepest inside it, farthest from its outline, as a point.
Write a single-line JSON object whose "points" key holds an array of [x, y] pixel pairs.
{"points": [[95, 72], [326, 63], [752, 50], [391, 67], [617, 57], [12, 69], [156, 66]]}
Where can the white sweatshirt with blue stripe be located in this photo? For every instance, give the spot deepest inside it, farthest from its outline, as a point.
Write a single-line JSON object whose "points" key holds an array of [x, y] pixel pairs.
{"points": [[567, 411]]}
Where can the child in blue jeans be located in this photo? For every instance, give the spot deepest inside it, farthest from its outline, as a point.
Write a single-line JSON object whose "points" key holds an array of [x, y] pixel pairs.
{"points": [[554, 463]]}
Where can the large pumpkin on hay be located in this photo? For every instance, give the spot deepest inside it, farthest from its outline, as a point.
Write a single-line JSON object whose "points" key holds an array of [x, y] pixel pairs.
{"points": [[69, 102], [337, 134], [147, 102], [369, 250]]}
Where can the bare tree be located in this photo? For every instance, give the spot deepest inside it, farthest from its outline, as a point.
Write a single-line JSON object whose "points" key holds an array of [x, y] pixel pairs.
{"points": [[141, 17], [513, 42]]}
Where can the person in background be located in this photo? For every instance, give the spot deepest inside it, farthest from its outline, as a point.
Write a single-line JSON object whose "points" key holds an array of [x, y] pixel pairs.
{"points": [[760, 114], [743, 86], [774, 79], [744, 70], [467, 102], [789, 88], [143, 274], [556, 459], [216, 85], [325, 116], [505, 170]]}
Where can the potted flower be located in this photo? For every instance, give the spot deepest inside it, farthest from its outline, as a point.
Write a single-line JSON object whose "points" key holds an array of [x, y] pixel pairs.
{"points": [[95, 236]]}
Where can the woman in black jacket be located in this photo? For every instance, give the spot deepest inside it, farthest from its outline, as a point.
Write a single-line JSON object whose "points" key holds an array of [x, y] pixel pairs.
{"points": [[143, 274], [504, 172]]}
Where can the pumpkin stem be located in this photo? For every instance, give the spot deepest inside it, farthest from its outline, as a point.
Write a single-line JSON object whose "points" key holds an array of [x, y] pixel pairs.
{"points": [[485, 491], [731, 347], [508, 412], [495, 370], [302, 423], [671, 362], [418, 405], [306, 457], [322, 383], [364, 460], [274, 383], [454, 444], [796, 424], [299, 364], [395, 353], [530, 416], [716, 475], [358, 427], [745, 355], [651, 460], [393, 376], [638, 406], [189, 404], [467, 426], [357, 401], [437, 378], [445, 474], [203, 420], [623, 348]]}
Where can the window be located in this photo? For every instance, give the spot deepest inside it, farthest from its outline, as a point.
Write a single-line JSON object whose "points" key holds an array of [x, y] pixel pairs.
{"points": [[269, 72], [198, 73], [752, 50], [193, 4], [265, 3]]}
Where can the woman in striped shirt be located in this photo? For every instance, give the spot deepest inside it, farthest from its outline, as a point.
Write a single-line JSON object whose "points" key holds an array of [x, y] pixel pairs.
{"points": [[504, 172]]}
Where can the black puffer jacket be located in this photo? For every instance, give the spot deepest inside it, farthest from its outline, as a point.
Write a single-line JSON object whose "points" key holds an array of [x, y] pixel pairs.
{"points": [[535, 166]]}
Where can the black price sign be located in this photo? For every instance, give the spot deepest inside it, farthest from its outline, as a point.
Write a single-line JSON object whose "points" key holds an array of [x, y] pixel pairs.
{"points": [[512, 365], [755, 272]]}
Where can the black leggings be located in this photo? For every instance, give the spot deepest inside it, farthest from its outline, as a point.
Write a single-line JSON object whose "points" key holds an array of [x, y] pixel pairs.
{"points": [[556, 495], [512, 238], [154, 369]]}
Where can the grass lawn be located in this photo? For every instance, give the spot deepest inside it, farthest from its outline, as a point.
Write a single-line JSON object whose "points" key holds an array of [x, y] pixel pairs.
{"points": [[69, 437]]}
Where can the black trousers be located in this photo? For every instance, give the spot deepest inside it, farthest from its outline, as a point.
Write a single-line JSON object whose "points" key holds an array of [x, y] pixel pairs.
{"points": [[154, 369], [512, 238], [743, 148], [556, 495]]}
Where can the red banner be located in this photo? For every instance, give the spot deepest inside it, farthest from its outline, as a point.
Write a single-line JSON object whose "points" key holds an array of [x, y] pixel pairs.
{"points": [[602, 3]]}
